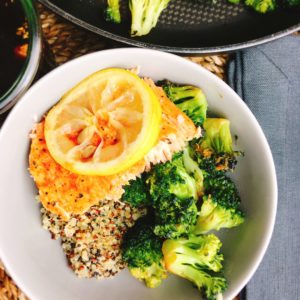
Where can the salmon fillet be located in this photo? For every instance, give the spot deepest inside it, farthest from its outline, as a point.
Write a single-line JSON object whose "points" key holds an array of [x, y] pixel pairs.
{"points": [[65, 193]]}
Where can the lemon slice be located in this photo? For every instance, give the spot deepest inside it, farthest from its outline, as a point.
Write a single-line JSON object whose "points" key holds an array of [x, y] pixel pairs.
{"points": [[105, 124]]}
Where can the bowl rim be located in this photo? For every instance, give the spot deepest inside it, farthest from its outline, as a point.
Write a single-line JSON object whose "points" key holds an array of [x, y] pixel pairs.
{"points": [[274, 191], [31, 64]]}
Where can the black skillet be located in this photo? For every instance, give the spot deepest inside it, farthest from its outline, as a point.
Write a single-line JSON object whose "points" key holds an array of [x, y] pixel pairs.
{"points": [[187, 26]]}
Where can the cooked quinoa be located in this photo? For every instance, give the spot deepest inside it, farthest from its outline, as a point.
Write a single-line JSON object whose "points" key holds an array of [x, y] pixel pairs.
{"points": [[91, 241]]}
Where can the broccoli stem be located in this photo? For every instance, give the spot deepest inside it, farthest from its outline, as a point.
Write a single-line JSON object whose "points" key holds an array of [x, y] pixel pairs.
{"points": [[113, 11], [145, 14]]}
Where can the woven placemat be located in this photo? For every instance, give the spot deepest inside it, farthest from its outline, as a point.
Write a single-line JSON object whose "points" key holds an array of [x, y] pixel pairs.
{"points": [[65, 41]]}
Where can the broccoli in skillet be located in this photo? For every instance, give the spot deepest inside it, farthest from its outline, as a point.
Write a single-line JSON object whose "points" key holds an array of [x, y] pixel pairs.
{"points": [[262, 6], [265, 6], [190, 99], [291, 2], [174, 192], [113, 11], [197, 259], [145, 14], [141, 250]]}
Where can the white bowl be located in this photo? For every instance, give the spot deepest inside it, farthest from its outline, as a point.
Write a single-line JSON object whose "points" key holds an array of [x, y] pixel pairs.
{"points": [[37, 263]]}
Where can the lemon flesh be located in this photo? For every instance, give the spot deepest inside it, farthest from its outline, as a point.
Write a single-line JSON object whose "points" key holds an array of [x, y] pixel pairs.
{"points": [[105, 124]]}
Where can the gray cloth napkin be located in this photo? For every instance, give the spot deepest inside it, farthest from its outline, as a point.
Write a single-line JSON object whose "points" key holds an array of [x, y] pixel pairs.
{"points": [[267, 78]]}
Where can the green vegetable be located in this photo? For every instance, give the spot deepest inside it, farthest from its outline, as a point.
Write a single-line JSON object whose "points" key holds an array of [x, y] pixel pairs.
{"points": [[189, 99], [113, 11], [174, 193], [194, 170], [219, 162], [145, 14], [136, 193], [262, 6], [220, 207], [210, 161], [234, 1], [197, 259], [220, 203], [141, 250], [222, 189], [171, 179], [214, 216], [174, 217], [217, 135], [214, 151]]}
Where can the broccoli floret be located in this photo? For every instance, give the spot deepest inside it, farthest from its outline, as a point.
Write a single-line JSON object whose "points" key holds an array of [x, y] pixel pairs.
{"points": [[136, 193], [262, 6], [210, 161], [222, 189], [214, 151], [145, 14], [174, 217], [189, 99], [196, 250], [197, 259], [226, 161], [220, 207], [214, 216], [234, 1], [219, 162], [174, 194], [141, 250], [217, 136], [113, 11], [171, 179]]}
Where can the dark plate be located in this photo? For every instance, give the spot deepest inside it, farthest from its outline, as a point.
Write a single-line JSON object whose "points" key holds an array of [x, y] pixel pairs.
{"points": [[187, 26]]}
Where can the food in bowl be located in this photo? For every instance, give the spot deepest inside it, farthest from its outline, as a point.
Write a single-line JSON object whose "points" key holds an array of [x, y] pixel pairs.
{"points": [[132, 172], [13, 42], [20, 43]]}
